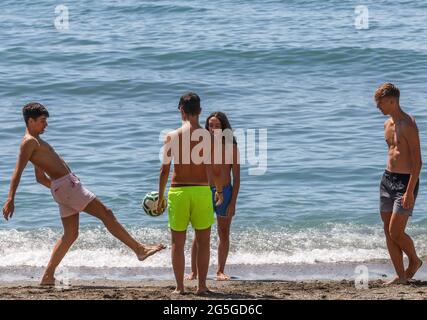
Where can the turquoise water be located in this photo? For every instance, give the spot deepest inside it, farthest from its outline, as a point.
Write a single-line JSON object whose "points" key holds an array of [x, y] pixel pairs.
{"points": [[299, 69]]}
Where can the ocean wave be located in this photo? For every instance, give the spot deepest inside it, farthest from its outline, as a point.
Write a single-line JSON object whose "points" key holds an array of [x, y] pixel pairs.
{"points": [[96, 248]]}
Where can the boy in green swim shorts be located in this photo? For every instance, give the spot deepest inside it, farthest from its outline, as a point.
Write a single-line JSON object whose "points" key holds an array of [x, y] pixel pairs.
{"points": [[190, 197], [190, 204]]}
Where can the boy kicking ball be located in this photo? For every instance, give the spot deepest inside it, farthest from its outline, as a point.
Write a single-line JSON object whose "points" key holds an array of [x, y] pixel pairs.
{"points": [[67, 190]]}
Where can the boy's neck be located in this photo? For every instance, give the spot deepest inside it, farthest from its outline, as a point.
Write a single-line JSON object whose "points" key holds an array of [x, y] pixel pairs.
{"points": [[31, 133], [192, 121], [397, 114]]}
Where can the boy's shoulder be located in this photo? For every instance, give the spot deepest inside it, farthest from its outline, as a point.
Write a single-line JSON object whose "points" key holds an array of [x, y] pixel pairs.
{"points": [[29, 141], [171, 135], [387, 122], [409, 121], [408, 126], [412, 119], [175, 133]]}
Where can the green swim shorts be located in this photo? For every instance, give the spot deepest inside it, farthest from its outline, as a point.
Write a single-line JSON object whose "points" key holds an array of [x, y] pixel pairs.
{"points": [[190, 204]]}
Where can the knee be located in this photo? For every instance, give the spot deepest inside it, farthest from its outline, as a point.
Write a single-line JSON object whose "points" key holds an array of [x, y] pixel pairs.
{"points": [[387, 231], [178, 245], [395, 236], [70, 237], [109, 215], [178, 242], [223, 233], [203, 242]]}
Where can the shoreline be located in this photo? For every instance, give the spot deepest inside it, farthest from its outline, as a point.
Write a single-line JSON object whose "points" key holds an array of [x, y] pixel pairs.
{"points": [[377, 270], [235, 290], [249, 282]]}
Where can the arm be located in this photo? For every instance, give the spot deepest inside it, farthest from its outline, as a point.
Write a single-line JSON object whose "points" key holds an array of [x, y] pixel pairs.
{"points": [[27, 149], [164, 172], [231, 210], [413, 141], [41, 177], [215, 173]]}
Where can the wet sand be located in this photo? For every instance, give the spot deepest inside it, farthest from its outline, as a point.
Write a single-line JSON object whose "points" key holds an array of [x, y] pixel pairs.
{"points": [[162, 289]]}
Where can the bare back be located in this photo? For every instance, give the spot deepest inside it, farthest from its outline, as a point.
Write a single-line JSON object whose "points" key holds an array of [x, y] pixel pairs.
{"points": [[45, 158], [399, 153], [186, 171]]}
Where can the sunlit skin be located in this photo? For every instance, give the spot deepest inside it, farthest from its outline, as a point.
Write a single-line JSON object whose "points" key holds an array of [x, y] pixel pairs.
{"points": [[224, 223], [50, 166], [190, 174], [404, 156]]}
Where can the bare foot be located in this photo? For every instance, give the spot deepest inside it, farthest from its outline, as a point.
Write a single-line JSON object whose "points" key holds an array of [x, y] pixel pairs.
{"points": [[221, 276], [145, 251], [203, 292], [412, 269], [48, 281], [396, 280], [176, 292], [191, 276]]}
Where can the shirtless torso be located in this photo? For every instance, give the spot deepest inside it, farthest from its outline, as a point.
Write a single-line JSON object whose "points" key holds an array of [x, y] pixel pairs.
{"points": [[45, 158], [398, 136]]}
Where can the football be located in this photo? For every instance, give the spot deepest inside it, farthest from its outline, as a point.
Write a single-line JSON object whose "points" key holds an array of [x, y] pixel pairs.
{"points": [[149, 204]]}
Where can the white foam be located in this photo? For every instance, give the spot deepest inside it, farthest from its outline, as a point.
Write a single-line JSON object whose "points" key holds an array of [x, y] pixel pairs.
{"points": [[96, 248]]}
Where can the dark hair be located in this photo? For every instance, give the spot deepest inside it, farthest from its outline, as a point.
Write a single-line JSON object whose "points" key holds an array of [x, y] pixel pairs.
{"points": [[387, 90], [225, 124], [190, 103], [34, 110]]}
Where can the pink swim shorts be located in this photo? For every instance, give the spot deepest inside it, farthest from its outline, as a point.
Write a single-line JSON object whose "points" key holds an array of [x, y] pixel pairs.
{"points": [[71, 196]]}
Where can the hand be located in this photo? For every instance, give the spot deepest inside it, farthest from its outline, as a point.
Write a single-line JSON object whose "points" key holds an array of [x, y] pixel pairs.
{"points": [[8, 209], [231, 210], [219, 199], [408, 200], [161, 205]]}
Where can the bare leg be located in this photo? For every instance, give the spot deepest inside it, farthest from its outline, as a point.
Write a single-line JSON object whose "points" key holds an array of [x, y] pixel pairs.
{"points": [[178, 259], [71, 232], [224, 224], [412, 269], [97, 209], [203, 239], [193, 273], [395, 252], [398, 224]]}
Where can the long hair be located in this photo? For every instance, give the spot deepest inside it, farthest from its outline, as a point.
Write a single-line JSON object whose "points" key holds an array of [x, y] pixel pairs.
{"points": [[225, 124]]}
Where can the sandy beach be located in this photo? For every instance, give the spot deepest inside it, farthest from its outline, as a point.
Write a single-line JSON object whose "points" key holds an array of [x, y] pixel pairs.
{"points": [[323, 149], [235, 290]]}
